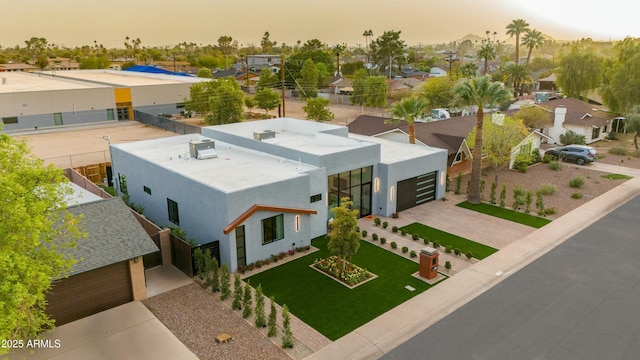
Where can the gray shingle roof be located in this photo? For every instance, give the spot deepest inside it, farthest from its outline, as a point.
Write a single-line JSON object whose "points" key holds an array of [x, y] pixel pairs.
{"points": [[113, 235]]}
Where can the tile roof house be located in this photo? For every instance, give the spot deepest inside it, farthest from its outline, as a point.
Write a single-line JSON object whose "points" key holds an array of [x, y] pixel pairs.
{"points": [[592, 121]]}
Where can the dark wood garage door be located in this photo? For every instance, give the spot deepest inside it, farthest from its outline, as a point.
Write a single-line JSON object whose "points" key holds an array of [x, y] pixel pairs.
{"points": [[90, 292], [417, 190]]}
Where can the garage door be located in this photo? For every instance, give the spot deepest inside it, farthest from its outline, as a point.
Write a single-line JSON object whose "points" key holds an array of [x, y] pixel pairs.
{"points": [[416, 191], [90, 292]]}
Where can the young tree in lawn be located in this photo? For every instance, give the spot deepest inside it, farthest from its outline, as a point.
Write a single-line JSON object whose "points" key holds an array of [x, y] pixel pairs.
{"points": [[267, 99], [500, 137], [479, 91], [344, 238], [409, 109], [37, 232], [273, 316], [260, 320], [317, 109]]}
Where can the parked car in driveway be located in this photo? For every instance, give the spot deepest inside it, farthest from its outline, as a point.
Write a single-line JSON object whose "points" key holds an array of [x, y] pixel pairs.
{"points": [[580, 154]]}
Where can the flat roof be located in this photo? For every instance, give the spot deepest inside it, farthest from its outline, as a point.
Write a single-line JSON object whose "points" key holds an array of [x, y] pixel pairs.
{"points": [[81, 195], [393, 151], [13, 82], [128, 78], [234, 169]]}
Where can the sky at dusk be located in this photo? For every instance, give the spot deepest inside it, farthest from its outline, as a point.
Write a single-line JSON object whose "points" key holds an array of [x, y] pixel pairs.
{"points": [[166, 23]]}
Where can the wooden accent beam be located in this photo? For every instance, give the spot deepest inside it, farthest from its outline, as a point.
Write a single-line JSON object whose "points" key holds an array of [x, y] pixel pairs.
{"points": [[245, 215]]}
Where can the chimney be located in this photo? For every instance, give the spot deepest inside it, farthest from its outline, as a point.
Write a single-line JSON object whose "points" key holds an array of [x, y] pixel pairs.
{"points": [[560, 114]]}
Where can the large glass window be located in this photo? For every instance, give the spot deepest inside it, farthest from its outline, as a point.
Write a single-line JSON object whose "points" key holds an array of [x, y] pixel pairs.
{"points": [[355, 185], [272, 229], [172, 207], [123, 184], [241, 255]]}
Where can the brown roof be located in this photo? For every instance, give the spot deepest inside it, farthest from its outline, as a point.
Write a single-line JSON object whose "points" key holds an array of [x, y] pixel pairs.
{"points": [[576, 111]]}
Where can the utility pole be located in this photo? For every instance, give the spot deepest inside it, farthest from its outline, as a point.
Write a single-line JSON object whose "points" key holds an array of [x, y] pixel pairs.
{"points": [[282, 73], [450, 53]]}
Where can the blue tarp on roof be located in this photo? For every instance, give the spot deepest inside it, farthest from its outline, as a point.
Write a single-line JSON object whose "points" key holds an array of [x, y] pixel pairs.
{"points": [[154, 70]]}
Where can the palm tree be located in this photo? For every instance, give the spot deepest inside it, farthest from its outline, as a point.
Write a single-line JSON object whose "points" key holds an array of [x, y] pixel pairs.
{"points": [[532, 39], [516, 28], [517, 75], [481, 92], [338, 49], [367, 34], [486, 52], [408, 109]]}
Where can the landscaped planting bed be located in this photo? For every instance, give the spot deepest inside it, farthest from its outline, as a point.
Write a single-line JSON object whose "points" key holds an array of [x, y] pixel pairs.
{"points": [[479, 251], [507, 214]]}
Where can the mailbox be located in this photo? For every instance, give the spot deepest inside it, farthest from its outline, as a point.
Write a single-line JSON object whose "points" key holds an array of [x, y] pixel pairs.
{"points": [[429, 263]]}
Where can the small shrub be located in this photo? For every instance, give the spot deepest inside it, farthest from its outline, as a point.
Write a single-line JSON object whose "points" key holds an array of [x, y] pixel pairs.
{"points": [[576, 195], [385, 225], [414, 237], [376, 221], [394, 229], [549, 211], [405, 249], [447, 265], [518, 192], [547, 158], [576, 182], [547, 189], [374, 237], [571, 137], [448, 249], [383, 241], [469, 254], [403, 232], [457, 251], [555, 165], [458, 184], [436, 244], [612, 136], [364, 233], [358, 228], [616, 150], [503, 196], [425, 241], [413, 253], [394, 245], [492, 195], [528, 201]]}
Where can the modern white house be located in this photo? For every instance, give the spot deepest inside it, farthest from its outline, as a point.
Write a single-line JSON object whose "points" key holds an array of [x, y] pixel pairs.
{"points": [[259, 188]]}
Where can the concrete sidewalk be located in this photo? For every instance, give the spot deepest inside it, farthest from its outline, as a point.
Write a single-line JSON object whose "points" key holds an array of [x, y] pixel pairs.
{"points": [[391, 329]]}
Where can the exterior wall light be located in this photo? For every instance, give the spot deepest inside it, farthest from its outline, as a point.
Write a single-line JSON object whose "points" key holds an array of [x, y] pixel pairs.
{"points": [[392, 193], [443, 178], [376, 185], [297, 223]]}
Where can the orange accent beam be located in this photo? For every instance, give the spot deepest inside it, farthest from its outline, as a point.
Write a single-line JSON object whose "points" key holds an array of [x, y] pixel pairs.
{"points": [[245, 215]]}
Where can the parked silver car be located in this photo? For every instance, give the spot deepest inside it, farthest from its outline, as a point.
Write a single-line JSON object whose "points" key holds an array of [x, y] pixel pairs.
{"points": [[581, 154]]}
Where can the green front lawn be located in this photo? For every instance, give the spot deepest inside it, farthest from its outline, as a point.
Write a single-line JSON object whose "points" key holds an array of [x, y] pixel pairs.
{"points": [[616, 177], [507, 214], [332, 308], [479, 251]]}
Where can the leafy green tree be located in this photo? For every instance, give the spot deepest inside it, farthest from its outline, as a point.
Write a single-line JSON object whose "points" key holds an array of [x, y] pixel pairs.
{"points": [[350, 68], [344, 238], [273, 315], [535, 117], [267, 99], [359, 87], [518, 76], [295, 62], [308, 83], [409, 109], [42, 61], [226, 103], [266, 44], [268, 79], [92, 62], [323, 74], [209, 61], [204, 73], [438, 92], [579, 71], [317, 109], [632, 123], [225, 286], [246, 301], [376, 90], [249, 102], [237, 293], [487, 52], [287, 336], [500, 137], [515, 28], [37, 231], [620, 90], [387, 47], [260, 319], [481, 92], [532, 39]]}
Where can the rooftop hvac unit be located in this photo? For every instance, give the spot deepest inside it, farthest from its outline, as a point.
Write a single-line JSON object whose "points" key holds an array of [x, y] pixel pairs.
{"points": [[263, 135], [202, 149]]}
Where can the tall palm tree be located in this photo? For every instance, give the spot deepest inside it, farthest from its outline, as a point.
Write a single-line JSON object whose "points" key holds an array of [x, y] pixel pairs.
{"points": [[532, 39], [516, 28], [486, 52], [517, 75], [338, 49], [481, 92], [367, 34], [409, 109]]}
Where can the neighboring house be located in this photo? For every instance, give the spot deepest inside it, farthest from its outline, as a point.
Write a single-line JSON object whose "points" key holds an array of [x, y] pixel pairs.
{"points": [[436, 71], [527, 145], [340, 85], [17, 67], [258, 62], [263, 187], [592, 121], [546, 84], [409, 72], [109, 270]]}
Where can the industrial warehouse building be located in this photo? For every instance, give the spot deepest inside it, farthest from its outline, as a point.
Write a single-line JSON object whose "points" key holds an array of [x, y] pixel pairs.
{"points": [[42, 100], [254, 189]]}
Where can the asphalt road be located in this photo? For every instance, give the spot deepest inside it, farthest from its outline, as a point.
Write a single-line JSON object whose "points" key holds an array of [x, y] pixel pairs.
{"points": [[579, 301]]}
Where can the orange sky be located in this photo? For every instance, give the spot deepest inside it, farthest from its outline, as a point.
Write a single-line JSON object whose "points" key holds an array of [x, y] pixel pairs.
{"points": [[165, 23]]}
